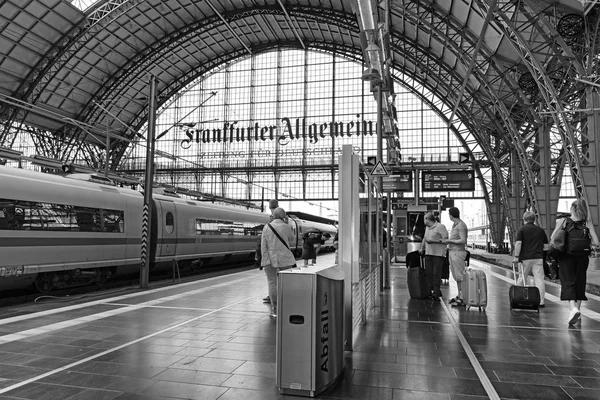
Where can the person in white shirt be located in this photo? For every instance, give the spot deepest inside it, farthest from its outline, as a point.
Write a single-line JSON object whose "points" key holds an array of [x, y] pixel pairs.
{"points": [[434, 250]]}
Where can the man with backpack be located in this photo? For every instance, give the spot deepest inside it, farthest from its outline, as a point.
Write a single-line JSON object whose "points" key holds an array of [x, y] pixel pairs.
{"points": [[573, 264]]}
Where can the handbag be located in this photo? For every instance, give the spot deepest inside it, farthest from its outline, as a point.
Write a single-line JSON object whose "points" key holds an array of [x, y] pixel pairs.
{"points": [[558, 243], [284, 243]]}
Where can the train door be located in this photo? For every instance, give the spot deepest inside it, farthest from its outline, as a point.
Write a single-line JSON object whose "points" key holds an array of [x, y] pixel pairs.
{"points": [[166, 229], [400, 235], [409, 230]]}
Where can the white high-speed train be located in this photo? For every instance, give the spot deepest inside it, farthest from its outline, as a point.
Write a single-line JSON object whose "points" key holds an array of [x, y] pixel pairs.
{"points": [[58, 231]]}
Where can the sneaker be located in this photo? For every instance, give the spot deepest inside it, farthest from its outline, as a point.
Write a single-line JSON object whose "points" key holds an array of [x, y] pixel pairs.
{"points": [[273, 315], [459, 302], [267, 300], [452, 301], [574, 315], [542, 305]]}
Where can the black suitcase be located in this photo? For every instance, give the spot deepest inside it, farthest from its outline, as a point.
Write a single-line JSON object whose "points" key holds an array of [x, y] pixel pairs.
{"points": [[413, 259], [418, 284], [523, 297]]}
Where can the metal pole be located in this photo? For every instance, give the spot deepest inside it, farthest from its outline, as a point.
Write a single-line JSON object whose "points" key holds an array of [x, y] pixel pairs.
{"points": [[371, 188], [386, 254], [149, 179], [379, 183], [107, 149]]}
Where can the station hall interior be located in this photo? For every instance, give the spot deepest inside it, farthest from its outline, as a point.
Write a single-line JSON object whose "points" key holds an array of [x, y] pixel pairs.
{"points": [[363, 114]]}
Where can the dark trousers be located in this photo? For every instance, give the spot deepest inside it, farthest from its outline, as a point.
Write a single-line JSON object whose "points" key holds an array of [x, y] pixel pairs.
{"points": [[573, 277], [433, 269]]}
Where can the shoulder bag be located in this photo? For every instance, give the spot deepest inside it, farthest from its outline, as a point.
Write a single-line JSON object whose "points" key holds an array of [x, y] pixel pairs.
{"points": [[558, 244]]}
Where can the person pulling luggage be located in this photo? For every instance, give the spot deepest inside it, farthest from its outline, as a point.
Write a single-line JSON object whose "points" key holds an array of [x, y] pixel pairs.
{"points": [[530, 243]]}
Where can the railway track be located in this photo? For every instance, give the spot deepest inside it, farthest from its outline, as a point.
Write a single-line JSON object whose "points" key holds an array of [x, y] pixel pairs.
{"points": [[11, 300]]}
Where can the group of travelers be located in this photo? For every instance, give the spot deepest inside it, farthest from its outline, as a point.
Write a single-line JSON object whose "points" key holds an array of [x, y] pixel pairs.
{"points": [[273, 253], [530, 248], [436, 243], [531, 245]]}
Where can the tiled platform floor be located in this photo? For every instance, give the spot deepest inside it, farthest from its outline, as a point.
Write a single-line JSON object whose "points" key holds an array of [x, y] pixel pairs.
{"points": [[213, 339]]}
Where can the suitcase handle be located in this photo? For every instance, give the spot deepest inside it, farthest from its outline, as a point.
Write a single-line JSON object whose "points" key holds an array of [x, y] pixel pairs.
{"points": [[520, 266]]}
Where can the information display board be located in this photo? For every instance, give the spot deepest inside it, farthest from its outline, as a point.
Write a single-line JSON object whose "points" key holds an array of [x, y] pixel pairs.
{"points": [[454, 181], [399, 182]]}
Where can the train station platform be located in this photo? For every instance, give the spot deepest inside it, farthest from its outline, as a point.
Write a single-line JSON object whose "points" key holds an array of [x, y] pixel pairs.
{"points": [[213, 339]]}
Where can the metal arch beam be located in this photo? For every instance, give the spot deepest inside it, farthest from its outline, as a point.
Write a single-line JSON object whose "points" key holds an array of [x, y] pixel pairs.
{"points": [[102, 15], [119, 82], [185, 80], [290, 23], [41, 75], [482, 140], [545, 85], [476, 51], [124, 78], [129, 73], [228, 26], [513, 132], [449, 38], [497, 168], [461, 138]]}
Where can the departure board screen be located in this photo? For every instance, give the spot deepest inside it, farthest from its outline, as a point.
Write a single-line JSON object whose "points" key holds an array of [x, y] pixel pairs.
{"points": [[454, 181], [399, 182]]}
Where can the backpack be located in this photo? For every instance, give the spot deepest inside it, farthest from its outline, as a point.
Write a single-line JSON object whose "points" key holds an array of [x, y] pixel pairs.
{"points": [[579, 242]]}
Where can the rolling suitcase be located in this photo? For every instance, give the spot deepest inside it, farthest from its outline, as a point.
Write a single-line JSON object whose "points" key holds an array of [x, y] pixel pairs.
{"points": [[474, 289], [418, 285], [523, 297], [412, 259]]}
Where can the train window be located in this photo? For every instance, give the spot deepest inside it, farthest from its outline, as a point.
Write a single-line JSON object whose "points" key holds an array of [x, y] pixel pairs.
{"points": [[226, 228], [24, 215], [169, 222]]}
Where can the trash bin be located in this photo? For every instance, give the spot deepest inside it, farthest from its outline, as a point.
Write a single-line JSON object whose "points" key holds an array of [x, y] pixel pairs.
{"points": [[310, 331]]}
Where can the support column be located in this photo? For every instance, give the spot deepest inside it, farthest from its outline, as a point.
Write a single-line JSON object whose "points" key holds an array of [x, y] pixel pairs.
{"points": [[547, 194], [516, 201], [591, 172], [496, 214], [349, 234]]}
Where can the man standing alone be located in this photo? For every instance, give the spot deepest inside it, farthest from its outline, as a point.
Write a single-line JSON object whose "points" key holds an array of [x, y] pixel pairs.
{"points": [[530, 244], [457, 252], [434, 250]]}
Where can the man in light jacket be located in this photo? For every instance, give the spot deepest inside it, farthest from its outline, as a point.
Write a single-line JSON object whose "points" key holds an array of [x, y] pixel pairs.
{"points": [[273, 204], [276, 254]]}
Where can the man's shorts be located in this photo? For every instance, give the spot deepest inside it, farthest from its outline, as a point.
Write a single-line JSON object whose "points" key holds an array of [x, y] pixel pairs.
{"points": [[457, 263]]}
